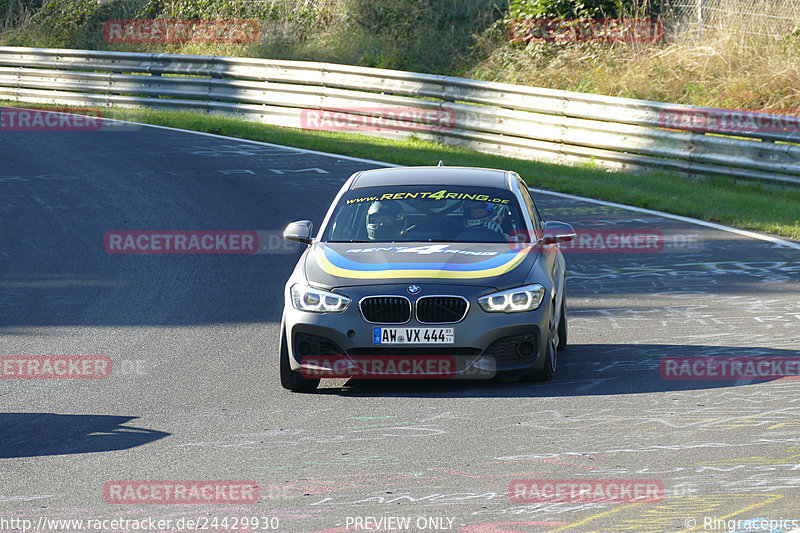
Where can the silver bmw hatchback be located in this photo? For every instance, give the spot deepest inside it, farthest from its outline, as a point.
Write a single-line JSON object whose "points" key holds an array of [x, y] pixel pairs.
{"points": [[426, 273]]}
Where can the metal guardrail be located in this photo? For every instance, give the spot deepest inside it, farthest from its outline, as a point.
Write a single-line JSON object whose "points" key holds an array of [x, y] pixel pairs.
{"points": [[519, 121]]}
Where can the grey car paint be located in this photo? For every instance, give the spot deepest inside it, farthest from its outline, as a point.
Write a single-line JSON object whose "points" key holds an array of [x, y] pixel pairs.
{"points": [[542, 263]]}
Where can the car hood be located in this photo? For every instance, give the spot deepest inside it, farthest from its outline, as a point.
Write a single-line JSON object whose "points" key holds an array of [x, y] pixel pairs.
{"points": [[490, 265]]}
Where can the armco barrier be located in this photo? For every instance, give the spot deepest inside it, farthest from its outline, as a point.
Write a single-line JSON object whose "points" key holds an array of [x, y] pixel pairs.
{"points": [[524, 122]]}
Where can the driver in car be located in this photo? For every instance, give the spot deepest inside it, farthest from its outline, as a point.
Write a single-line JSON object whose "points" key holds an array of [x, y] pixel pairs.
{"points": [[484, 214], [385, 221]]}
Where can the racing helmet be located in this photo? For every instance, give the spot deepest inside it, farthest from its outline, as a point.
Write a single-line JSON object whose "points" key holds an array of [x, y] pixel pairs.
{"points": [[478, 213], [385, 221]]}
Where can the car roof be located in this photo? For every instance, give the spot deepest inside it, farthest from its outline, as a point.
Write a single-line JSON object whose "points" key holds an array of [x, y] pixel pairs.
{"points": [[467, 176]]}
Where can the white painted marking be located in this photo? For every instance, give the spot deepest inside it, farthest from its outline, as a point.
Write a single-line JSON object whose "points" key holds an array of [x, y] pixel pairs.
{"points": [[4, 499], [242, 171], [283, 171], [592, 384], [262, 143]]}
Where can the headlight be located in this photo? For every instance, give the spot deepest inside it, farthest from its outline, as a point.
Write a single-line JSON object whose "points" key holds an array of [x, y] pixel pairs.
{"points": [[316, 301], [525, 298]]}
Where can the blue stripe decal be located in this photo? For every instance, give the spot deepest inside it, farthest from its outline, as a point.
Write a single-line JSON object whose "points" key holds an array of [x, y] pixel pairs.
{"points": [[492, 262]]}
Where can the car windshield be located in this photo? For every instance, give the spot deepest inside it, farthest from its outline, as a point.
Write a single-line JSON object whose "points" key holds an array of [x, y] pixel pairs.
{"points": [[427, 214]]}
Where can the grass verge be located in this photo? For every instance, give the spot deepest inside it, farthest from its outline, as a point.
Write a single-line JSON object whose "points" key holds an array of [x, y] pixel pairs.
{"points": [[754, 206]]}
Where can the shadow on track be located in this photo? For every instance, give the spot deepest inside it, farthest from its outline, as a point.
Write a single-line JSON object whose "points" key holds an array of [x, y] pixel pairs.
{"points": [[584, 370], [39, 434]]}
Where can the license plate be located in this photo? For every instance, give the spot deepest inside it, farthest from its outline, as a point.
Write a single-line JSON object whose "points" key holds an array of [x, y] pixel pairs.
{"points": [[414, 336]]}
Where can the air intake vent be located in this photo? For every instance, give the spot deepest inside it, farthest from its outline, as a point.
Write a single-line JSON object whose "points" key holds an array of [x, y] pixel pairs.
{"points": [[386, 309], [441, 309]]}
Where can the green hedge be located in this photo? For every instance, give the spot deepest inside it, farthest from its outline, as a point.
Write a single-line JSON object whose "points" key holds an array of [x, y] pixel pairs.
{"points": [[597, 9]]}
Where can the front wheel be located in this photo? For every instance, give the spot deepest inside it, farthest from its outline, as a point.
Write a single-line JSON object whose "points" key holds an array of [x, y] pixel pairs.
{"points": [[291, 379], [562, 326], [551, 356]]}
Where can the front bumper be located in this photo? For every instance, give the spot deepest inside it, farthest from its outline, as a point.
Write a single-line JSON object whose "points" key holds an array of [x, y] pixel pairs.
{"points": [[485, 343]]}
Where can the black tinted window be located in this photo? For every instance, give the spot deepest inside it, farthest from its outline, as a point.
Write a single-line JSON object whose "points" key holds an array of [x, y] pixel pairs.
{"points": [[425, 213]]}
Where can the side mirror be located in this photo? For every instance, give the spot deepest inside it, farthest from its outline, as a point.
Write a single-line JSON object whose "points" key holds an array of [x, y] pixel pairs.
{"points": [[557, 232], [299, 231]]}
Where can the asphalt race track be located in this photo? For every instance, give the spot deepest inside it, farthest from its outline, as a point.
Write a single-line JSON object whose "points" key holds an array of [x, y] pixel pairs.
{"points": [[194, 395]]}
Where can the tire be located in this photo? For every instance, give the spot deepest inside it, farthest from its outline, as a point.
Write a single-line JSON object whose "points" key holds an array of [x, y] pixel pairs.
{"points": [[562, 325], [291, 379], [551, 355]]}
